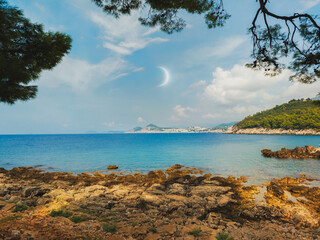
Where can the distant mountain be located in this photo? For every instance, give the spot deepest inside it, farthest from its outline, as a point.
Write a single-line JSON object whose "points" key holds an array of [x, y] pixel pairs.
{"points": [[152, 128], [295, 115], [225, 124], [136, 129], [316, 98]]}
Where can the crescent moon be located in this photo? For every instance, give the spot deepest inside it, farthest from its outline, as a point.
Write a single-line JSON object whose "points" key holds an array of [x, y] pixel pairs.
{"points": [[166, 78]]}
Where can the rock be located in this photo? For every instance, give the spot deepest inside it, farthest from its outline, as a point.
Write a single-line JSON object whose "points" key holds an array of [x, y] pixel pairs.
{"points": [[277, 191], [298, 152], [112, 167], [2, 204], [35, 191], [205, 191], [152, 236], [152, 206], [8, 207], [168, 229], [15, 233], [177, 189], [177, 166]]}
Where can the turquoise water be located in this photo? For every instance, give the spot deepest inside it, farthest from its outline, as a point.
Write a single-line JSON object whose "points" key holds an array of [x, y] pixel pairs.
{"points": [[237, 155]]}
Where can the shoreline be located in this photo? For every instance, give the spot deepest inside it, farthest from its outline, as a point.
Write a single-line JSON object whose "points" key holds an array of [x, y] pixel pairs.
{"points": [[265, 131], [179, 203]]}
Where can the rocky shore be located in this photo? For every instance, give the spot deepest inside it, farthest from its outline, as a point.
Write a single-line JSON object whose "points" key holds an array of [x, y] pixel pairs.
{"points": [[266, 131], [298, 152], [180, 203]]}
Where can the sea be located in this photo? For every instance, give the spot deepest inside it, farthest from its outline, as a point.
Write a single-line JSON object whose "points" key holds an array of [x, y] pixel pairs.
{"points": [[220, 154]]}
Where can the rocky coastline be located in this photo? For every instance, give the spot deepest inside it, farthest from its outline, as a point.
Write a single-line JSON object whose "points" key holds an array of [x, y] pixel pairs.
{"points": [[298, 153], [266, 131], [180, 203]]}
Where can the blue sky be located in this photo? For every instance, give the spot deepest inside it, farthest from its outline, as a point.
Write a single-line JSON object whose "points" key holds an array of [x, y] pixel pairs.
{"points": [[110, 80]]}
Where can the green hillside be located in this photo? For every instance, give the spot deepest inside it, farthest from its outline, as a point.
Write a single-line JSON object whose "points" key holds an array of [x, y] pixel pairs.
{"points": [[297, 114]]}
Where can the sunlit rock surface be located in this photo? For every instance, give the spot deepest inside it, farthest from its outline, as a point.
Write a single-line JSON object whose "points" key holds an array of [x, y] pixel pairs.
{"points": [[179, 203]]}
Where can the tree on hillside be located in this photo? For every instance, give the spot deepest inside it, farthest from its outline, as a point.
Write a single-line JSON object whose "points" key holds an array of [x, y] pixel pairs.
{"points": [[296, 36], [25, 50]]}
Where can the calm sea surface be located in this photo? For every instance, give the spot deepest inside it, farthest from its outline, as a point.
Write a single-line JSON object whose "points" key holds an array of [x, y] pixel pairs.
{"points": [[217, 153]]}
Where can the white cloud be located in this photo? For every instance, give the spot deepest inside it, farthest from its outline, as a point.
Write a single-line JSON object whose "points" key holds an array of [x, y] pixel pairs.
{"points": [[140, 120], [198, 84], [244, 109], [220, 50], [182, 111], [241, 91], [81, 75], [226, 47], [309, 4], [240, 84], [138, 69], [124, 35], [211, 116]]}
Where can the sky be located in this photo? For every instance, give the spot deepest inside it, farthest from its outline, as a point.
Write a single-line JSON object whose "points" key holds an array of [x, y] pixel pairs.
{"points": [[120, 74]]}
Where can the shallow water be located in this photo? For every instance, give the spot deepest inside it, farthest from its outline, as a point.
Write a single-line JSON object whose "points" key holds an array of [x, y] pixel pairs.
{"points": [[217, 153]]}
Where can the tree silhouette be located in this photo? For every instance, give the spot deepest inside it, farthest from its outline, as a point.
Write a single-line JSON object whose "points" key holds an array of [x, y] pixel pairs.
{"points": [[25, 50], [296, 36]]}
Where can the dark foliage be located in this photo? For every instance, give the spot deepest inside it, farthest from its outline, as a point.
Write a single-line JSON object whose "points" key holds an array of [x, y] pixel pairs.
{"points": [[60, 213], [164, 13], [296, 36], [297, 114], [20, 208], [110, 227], [223, 236], [25, 50]]}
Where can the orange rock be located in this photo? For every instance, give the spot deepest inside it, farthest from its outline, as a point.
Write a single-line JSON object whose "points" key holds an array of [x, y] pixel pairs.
{"points": [[152, 236], [112, 167], [177, 166], [170, 228], [8, 207]]}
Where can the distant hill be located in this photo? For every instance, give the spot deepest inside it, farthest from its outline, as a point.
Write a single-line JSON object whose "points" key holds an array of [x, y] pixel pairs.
{"points": [[224, 125], [151, 128], [296, 114], [148, 128]]}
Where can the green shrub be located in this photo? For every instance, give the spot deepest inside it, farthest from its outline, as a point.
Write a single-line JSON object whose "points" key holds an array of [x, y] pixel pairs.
{"points": [[77, 219], [20, 208], [9, 219], [223, 236], [133, 224], [60, 213], [195, 232], [110, 227], [153, 229], [112, 214]]}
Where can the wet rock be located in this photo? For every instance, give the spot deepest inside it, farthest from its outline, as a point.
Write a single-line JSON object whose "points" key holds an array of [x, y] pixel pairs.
{"points": [[177, 166], [277, 191], [298, 152], [112, 167]]}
